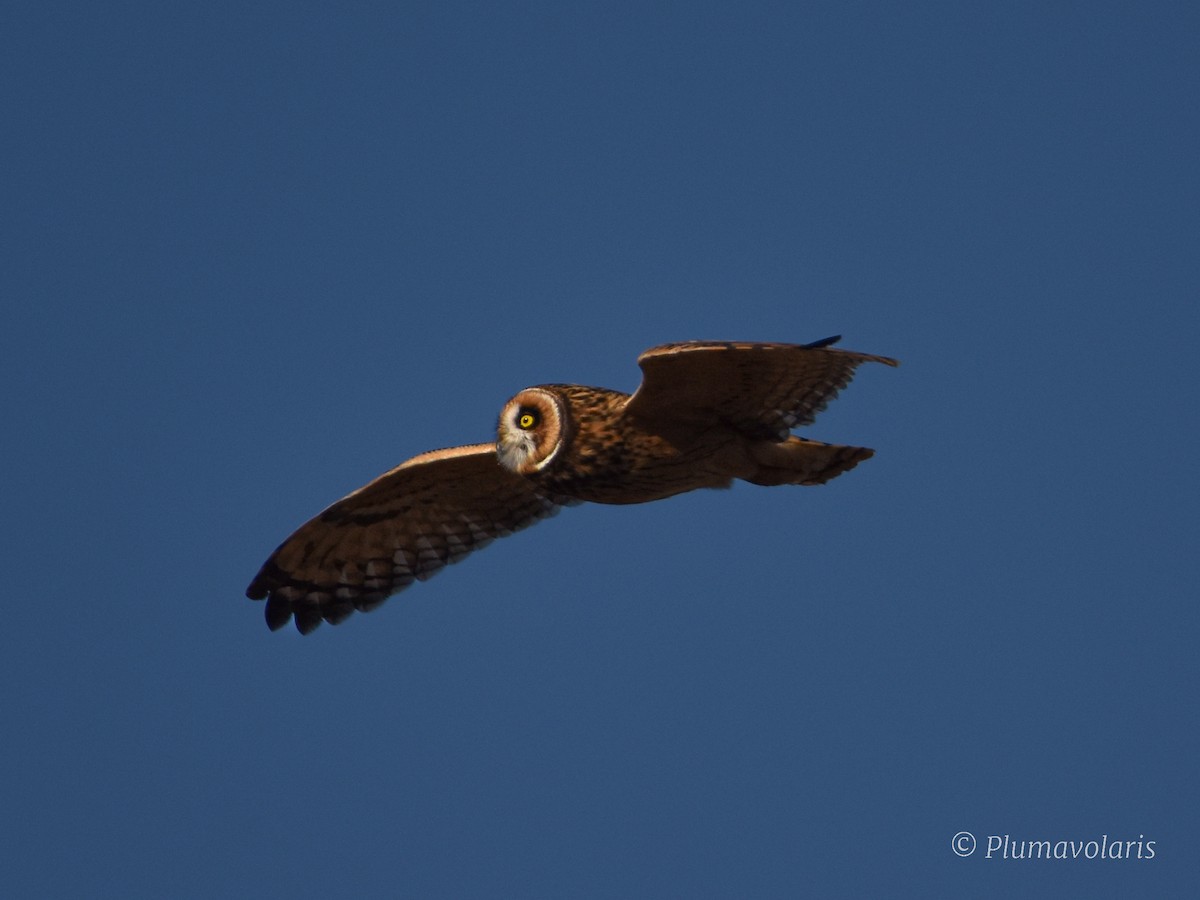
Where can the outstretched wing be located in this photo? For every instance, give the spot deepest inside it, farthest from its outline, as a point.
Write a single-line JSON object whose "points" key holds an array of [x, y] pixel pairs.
{"points": [[405, 525], [762, 390]]}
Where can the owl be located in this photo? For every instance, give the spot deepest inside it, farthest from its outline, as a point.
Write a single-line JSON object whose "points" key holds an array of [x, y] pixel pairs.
{"points": [[706, 413]]}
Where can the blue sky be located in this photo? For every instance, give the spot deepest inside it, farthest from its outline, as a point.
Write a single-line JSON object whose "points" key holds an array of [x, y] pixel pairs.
{"points": [[253, 257]]}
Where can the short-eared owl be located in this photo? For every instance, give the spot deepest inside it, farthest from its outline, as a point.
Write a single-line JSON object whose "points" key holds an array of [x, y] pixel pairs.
{"points": [[705, 414]]}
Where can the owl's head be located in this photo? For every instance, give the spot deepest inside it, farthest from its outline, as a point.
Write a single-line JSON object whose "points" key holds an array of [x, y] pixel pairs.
{"points": [[534, 426]]}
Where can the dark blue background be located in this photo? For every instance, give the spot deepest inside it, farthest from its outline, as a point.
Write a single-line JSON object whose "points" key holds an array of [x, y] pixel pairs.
{"points": [[255, 255]]}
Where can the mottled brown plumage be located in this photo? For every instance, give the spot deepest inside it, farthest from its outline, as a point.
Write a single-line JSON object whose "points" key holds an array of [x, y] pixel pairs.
{"points": [[705, 414]]}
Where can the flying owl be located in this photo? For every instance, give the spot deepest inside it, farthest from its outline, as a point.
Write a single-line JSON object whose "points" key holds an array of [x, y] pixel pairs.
{"points": [[705, 414]]}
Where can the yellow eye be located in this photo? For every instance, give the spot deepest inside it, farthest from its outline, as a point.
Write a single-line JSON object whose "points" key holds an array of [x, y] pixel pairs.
{"points": [[527, 421]]}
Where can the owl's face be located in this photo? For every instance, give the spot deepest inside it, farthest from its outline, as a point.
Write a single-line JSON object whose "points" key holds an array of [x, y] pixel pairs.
{"points": [[534, 427]]}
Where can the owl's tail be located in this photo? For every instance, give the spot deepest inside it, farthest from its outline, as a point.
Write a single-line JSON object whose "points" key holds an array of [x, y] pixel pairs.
{"points": [[800, 461]]}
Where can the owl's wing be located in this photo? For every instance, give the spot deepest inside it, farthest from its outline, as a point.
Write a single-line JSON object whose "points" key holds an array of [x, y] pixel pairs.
{"points": [[763, 390], [405, 525]]}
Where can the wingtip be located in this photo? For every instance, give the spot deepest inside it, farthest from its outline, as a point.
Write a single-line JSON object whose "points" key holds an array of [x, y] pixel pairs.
{"points": [[833, 339], [307, 620], [277, 613]]}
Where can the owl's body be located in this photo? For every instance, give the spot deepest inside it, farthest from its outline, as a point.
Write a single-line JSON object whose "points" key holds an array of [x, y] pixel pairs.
{"points": [[614, 458], [706, 414]]}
